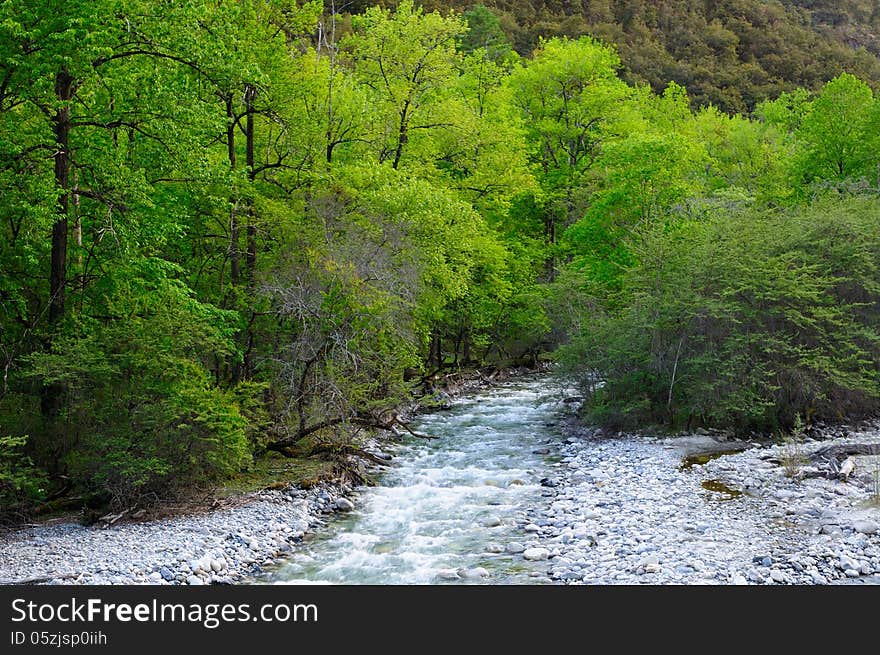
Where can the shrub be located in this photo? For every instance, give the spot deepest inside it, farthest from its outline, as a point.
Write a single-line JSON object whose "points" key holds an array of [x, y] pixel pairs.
{"points": [[740, 320], [141, 416], [20, 480]]}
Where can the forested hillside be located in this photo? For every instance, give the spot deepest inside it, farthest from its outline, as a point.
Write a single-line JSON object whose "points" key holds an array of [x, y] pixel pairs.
{"points": [[731, 53], [256, 226]]}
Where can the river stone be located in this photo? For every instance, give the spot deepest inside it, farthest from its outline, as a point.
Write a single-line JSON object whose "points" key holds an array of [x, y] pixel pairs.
{"points": [[536, 554], [865, 527], [515, 547], [492, 522], [344, 504], [448, 574], [476, 573], [494, 548], [194, 580], [740, 580], [166, 573], [777, 575], [217, 565]]}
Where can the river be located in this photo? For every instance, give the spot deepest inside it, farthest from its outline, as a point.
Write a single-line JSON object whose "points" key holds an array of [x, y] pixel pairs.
{"points": [[446, 504]]}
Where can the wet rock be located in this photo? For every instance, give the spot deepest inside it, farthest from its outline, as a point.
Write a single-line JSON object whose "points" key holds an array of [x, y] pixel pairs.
{"points": [[476, 573], [344, 504], [515, 547]]}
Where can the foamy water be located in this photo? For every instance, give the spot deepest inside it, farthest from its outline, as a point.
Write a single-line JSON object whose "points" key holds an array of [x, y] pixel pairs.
{"points": [[436, 507]]}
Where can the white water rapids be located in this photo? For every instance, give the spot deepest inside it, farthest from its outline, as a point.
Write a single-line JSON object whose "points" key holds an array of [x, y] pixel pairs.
{"points": [[445, 504]]}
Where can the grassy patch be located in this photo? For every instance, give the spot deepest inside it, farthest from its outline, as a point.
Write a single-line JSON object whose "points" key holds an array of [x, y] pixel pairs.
{"points": [[275, 471]]}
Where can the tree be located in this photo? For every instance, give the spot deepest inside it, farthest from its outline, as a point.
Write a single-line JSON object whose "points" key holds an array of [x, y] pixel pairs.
{"points": [[571, 100], [840, 132], [407, 58]]}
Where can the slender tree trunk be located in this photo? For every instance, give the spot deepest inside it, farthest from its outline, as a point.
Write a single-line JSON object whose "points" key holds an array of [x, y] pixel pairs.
{"points": [[58, 259], [251, 256], [78, 240], [402, 134], [436, 354], [250, 263], [51, 399], [234, 261], [234, 253]]}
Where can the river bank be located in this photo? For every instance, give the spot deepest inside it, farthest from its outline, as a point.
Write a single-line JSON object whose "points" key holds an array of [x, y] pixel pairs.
{"points": [[217, 547], [643, 510], [512, 492]]}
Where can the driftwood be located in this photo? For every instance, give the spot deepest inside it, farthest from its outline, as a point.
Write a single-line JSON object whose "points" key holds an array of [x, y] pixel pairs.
{"points": [[40, 580], [841, 452], [840, 458], [110, 519], [847, 468]]}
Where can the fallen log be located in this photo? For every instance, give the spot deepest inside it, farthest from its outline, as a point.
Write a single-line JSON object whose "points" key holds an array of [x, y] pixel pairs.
{"points": [[842, 451], [110, 519]]}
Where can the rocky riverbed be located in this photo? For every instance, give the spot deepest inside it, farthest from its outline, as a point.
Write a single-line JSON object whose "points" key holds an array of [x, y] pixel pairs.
{"points": [[639, 510], [218, 547]]}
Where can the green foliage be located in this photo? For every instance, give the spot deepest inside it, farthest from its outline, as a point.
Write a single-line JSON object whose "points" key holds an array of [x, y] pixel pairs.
{"points": [[20, 481], [230, 225], [840, 132], [745, 319], [141, 415]]}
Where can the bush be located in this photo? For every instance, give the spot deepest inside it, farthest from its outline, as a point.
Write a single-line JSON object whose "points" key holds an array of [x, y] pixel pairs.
{"points": [[20, 480], [141, 416], [740, 320]]}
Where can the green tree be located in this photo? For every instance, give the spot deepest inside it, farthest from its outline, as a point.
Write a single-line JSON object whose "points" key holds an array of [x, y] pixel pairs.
{"points": [[571, 100], [840, 132]]}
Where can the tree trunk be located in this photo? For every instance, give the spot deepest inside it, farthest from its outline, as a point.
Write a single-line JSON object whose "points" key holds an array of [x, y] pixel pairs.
{"points": [[58, 259], [402, 135], [251, 256], [250, 262], [51, 398], [234, 263]]}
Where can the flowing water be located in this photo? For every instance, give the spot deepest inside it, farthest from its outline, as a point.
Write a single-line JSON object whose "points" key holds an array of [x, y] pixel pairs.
{"points": [[445, 504]]}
